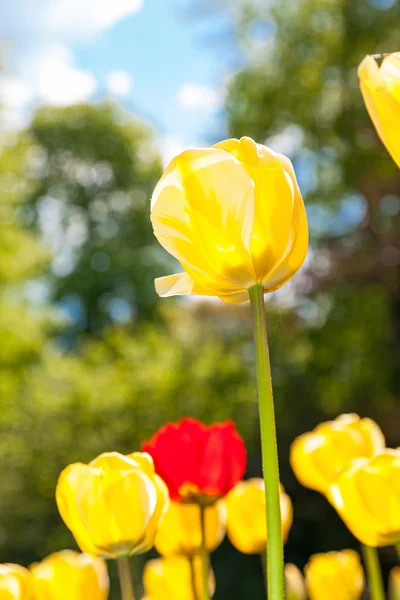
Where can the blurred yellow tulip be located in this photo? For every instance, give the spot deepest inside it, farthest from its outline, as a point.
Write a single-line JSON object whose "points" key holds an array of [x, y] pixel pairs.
{"points": [[173, 578], [316, 457], [246, 526], [366, 495], [233, 216], [380, 87], [180, 530], [15, 583], [112, 505], [335, 576], [295, 586], [394, 584], [68, 575]]}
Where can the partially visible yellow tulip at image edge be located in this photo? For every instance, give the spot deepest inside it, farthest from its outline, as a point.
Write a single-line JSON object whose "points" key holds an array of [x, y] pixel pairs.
{"points": [[334, 576], [317, 456], [179, 532], [233, 216], [15, 583], [295, 586], [366, 494], [246, 526], [69, 575], [380, 87], [113, 505], [171, 579]]}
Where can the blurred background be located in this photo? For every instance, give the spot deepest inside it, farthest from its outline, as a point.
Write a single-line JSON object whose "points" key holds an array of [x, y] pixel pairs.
{"points": [[95, 97]]}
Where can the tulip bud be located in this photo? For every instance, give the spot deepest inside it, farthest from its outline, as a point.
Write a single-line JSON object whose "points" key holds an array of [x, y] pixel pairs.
{"points": [[380, 87], [316, 457], [15, 583], [394, 584], [335, 575], [294, 583], [180, 530], [366, 495], [246, 526], [112, 505], [233, 216], [68, 575], [173, 578]]}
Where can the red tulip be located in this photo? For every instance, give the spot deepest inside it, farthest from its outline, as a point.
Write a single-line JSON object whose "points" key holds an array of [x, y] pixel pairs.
{"points": [[198, 463]]}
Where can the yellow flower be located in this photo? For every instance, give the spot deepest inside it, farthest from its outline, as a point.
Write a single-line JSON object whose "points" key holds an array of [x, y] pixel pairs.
{"points": [[380, 87], [112, 505], [172, 578], [317, 457], [366, 495], [233, 216], [294, 583], [335, 575], [180, 530], [15, 583], [394, 584], [68, 575], [246, 526]]}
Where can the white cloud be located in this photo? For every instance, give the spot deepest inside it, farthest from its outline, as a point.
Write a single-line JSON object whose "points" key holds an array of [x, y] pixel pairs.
{"points": [[58, 82], [195, 96], [119, 83], [50, 20]]}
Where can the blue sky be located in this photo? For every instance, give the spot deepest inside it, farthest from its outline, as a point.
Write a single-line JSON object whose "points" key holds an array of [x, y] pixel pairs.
{"points": [[153, 56]]}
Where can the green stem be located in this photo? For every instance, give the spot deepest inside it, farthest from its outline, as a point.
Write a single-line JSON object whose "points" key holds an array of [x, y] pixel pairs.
{"points": [[125, 578], [374, 572], [205, 559], [275, 574], [193, 577]]}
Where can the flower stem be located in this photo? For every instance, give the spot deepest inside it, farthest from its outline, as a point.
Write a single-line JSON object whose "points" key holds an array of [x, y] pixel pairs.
{"points": [[275, 576], [205, 560], [125, 578], [374, 572], [193, 577]]}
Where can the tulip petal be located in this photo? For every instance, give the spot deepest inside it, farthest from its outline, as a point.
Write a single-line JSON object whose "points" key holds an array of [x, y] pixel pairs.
{"points": [[382, 104], [202, 213], [279, 237]]}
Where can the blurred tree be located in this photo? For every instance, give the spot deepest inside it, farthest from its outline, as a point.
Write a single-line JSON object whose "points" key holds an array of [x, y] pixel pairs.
{"points": [[92, 170]]}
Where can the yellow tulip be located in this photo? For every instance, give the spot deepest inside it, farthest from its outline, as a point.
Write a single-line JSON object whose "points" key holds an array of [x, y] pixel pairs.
{"points": [[180, 530], [233, 216], [246, 526], [112, 505], [380, 87], [15, 583], [173, 578], [68, 575], [366, 495], [394, 584], [316, 457], [294, 583], [335, 575]]}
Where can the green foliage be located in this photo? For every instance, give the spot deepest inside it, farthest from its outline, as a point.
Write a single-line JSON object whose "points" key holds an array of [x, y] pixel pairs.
{"points": [[92, 171]]}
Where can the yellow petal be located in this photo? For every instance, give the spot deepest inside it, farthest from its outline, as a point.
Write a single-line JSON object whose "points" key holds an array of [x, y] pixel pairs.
{"points": [[172, 578], [246, 526], [335, 575], [202, 213], [68, 574], [179, 532], [380, 90]]}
